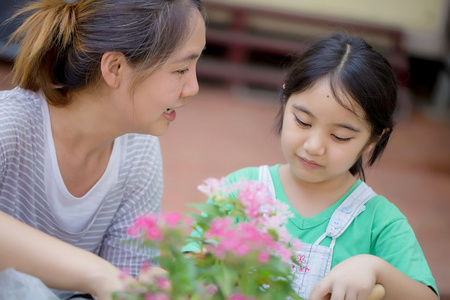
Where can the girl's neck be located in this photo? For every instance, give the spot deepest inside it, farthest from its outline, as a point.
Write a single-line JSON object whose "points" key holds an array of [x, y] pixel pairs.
{"points": [[311, 198]]}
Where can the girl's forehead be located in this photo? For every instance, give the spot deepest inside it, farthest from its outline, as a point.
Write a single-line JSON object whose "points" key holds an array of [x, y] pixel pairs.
{"points": [[321, 101]]}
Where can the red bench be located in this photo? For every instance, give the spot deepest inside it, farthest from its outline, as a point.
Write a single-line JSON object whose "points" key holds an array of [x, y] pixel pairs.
{"points": [[234, 40]]}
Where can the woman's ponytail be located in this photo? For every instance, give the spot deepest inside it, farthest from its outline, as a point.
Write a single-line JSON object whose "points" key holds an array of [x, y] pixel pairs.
{"points": [[45, 37]]}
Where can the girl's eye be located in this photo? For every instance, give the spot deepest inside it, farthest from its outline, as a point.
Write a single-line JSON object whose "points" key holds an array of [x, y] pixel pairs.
{"points": [[183, 71], [301, 123], [339, 139]]}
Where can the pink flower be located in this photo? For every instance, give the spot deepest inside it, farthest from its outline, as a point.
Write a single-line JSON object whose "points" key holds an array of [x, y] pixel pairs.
{"points": [[219, 226], [124, 274], [154, 234], [163, 283], [171, 219], [149, 296], [258, 236], [211, 289], [145, 265], [133, 231], [263, 257], [213, 187], [239, 297], [297, 244]]}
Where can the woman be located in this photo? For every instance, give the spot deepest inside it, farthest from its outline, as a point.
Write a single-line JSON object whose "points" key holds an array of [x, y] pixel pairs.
{"points": [[97, 81]]}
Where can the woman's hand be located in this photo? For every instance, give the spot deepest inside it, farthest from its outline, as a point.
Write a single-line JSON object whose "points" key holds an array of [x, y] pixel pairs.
{"points": [[102, 282], [149, 274], [352, 279], [56, 263]]}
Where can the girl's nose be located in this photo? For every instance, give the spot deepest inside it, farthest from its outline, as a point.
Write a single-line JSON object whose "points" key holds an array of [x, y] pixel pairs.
{"points": [[315, 144], [190, 87]]}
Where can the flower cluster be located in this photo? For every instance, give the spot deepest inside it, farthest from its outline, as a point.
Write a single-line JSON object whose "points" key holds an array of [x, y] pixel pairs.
{"points": [[243, 249]]}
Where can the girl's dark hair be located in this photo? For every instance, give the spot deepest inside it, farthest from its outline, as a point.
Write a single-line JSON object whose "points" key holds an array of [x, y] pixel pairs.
{"points": [[361, 73], [62, 42]]}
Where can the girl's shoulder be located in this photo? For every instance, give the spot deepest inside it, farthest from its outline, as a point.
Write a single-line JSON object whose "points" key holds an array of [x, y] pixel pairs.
{"points": [[249, 173], [381, 205], [383, 213]]}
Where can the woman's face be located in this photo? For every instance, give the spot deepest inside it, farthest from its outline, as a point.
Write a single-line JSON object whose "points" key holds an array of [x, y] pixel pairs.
{"points": [[320, 138], [154, 101]]}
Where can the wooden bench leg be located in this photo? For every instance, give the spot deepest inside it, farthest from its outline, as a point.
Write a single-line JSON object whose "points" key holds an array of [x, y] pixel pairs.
{"points": [[378, 293]]}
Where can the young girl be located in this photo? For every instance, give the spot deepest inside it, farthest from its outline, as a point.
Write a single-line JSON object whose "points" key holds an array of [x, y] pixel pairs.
{"points": [[338, 102], [97, 80]]}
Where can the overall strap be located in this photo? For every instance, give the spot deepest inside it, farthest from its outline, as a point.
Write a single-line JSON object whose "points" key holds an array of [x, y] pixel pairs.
{"points": [[349, 210], [266, 179]]}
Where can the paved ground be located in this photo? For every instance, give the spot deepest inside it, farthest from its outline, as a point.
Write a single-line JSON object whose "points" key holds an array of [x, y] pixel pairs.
{"points": [[218, 132]]}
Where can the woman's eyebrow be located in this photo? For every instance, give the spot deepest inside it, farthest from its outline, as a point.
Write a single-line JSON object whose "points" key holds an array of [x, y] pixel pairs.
{"points": [[343, 125], [190, 57]]}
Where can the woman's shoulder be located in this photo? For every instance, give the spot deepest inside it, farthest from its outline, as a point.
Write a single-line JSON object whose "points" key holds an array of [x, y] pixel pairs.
{"points": [[18, 95], [140, 143], [139, 151], [20, 113], [19, 103]]}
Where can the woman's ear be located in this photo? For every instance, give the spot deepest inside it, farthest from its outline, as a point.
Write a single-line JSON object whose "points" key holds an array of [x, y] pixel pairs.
{"points": [[112, 66]]}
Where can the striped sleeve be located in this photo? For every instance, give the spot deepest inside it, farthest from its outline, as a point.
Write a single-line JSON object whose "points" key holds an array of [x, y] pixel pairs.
{"points": [[142, 194]]}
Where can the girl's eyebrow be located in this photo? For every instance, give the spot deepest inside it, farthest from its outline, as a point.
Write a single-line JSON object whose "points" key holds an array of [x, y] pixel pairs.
{"points": [[343, 125], [303, 109]]}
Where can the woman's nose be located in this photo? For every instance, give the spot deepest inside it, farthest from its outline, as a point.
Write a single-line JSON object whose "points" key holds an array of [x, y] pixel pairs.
{"points": [[190, 87]]}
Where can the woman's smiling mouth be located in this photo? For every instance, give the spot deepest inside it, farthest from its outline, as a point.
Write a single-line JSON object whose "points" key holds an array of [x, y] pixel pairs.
{"points": [[170, 114]]}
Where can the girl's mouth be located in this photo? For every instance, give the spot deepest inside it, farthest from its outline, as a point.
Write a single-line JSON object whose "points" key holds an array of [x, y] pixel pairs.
{"points": [[309, 164]]}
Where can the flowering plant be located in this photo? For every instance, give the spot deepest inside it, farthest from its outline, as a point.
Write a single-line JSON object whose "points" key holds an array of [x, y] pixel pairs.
{"points": [[244, 251]]}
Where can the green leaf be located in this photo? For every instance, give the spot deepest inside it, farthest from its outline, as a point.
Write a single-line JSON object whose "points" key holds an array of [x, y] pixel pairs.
{"points": [[210, 209], [225, 278]]}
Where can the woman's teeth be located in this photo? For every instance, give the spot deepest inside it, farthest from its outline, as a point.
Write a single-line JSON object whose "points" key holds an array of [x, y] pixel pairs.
{"points": [[169, 110]]}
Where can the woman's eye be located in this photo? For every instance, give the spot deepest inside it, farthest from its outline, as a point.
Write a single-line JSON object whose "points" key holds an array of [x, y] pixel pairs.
{"points": [[183, 71], [301, 123], [340, 139]]}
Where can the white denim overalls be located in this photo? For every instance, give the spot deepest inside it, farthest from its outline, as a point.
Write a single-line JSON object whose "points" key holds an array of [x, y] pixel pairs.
{"points": [[314, 259]]}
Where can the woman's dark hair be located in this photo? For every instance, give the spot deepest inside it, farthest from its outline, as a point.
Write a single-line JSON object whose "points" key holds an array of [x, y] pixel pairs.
{"points": [[354, 68], [62, 42]]}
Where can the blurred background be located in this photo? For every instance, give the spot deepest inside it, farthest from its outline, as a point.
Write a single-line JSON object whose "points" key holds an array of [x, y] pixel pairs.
{"points": [[229, 124]]}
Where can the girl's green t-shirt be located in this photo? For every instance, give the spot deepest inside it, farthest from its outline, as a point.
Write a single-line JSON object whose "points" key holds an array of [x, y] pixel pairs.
{"points": [[381, 230]]}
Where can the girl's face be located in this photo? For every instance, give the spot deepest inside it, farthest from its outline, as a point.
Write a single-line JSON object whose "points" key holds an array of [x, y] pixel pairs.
{"points": [[320, 138], [154, 101]]}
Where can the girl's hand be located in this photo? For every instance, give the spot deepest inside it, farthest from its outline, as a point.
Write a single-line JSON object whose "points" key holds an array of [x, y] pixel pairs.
{"points": [[352, 279]]}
